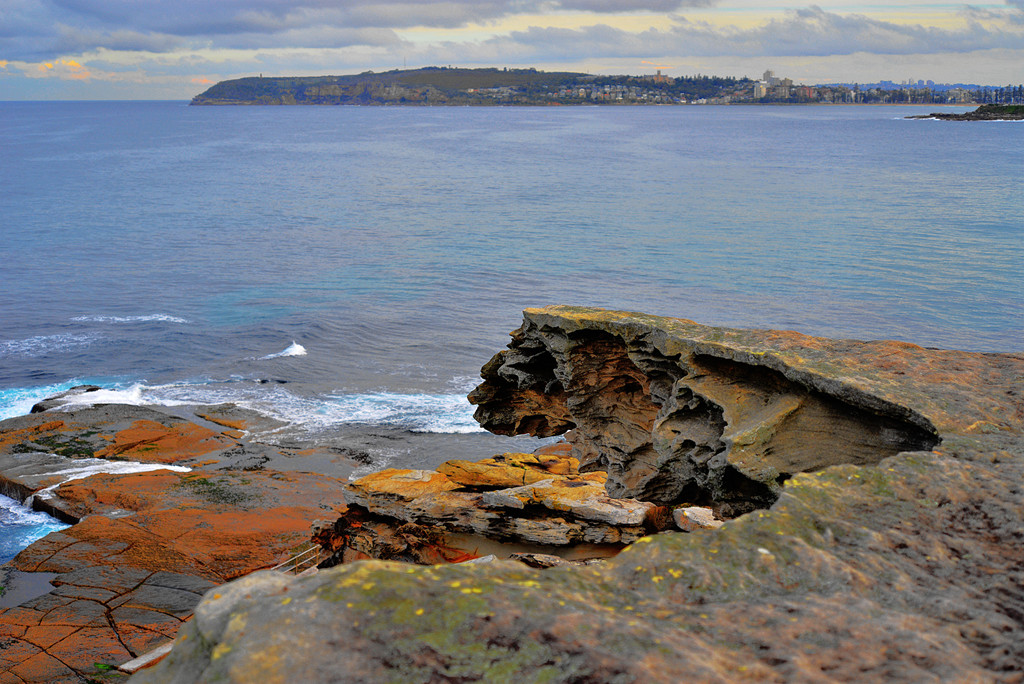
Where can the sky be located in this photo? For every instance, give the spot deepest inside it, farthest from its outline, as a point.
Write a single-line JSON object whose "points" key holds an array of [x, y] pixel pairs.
{"points": [[175, 49]]}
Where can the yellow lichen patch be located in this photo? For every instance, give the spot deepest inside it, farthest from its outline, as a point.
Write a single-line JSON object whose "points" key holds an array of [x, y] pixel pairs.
{"points": [[220, 650]]}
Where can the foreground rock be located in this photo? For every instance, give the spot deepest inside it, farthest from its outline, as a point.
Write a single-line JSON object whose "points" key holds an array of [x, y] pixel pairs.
{"points": [[498, 506], [145, 545], [888, 562]]}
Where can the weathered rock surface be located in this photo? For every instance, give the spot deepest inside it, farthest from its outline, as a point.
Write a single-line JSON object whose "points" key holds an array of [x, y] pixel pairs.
{"points": [[145, 545], [681, 413], [876, 560], [557, 505]]}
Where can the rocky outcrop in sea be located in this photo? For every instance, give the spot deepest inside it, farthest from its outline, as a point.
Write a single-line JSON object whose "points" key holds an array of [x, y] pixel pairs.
{"points": [[873, 529], [989, 112]]}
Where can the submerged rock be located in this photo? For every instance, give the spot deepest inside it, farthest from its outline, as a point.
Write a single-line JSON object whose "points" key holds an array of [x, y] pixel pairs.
{"points": [[892, 551]]}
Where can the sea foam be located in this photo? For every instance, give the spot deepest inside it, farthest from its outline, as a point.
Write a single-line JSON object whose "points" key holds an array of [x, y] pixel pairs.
{"points": [[18, 401], [294, 349], [21, 526], [84, 467], [441, 413], [444, 413], [162, 318], [44, 344]]}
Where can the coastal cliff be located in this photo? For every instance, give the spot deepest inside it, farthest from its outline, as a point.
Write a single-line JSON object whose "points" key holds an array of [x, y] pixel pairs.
{"points": [[875, 526]]}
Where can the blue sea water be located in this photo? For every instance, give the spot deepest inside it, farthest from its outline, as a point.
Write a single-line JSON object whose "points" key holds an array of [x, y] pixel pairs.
{"points": [[349, 269]]}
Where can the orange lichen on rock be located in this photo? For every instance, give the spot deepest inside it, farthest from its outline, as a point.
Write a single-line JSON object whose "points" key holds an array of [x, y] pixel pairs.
{"points": [[403, 484], [234, 424], [152, 442], [17, 436]]}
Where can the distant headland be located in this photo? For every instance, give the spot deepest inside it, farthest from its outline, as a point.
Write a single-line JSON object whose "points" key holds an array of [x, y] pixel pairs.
{"points": [[504, 87], [988, 112]]}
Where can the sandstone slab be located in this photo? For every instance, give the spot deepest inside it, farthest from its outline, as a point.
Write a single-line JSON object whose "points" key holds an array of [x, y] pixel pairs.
{"points": [[508, 470]]}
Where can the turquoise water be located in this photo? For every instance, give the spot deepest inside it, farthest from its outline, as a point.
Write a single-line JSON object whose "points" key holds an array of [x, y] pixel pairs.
{"points": [[175, 253]]}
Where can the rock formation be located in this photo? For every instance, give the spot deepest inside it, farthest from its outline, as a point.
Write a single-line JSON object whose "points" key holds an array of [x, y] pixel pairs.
{"points": [[988, 112], [498, 506], [884, 539], [677, 419]]}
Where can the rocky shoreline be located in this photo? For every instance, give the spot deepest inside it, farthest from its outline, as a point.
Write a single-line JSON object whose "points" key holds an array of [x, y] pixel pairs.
{"points": [[989, 112], [143, 546], [728, 504]]}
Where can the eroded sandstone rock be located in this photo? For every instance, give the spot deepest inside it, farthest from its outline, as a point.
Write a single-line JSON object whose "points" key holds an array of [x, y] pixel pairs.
{"points": [[553, 510], [508, 470], [680, 413]]}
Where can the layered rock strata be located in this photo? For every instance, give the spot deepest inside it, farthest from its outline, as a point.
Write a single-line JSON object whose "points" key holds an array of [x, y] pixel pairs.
{"points": [[536, 500], [888, 566]]}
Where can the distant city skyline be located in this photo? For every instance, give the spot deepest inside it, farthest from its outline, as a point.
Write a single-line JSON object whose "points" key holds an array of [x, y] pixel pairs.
{"points": [[114, 49]]}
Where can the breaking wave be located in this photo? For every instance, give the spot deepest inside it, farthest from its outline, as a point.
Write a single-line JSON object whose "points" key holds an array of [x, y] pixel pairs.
{"points": [[443, 413], [20, 526], [294, 349]]}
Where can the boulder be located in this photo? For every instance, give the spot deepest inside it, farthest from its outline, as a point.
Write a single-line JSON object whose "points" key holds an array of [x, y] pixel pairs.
{"points": [[690, 518], [582, 496]]}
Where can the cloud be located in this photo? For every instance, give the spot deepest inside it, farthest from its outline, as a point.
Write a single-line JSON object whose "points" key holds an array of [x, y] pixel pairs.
{"points": [[622, 6], [805, 32], [41, 29], [64, 69]]}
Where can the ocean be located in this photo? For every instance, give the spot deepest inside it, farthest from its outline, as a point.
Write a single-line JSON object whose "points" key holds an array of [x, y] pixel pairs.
{"points": [[348, 270]]}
